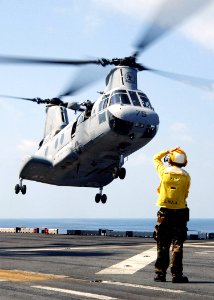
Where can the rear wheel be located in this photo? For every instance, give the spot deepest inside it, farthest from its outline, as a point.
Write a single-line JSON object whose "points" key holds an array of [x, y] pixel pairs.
{"points": [[23, 189], [97, 198], [17, 188], [103, 198]]}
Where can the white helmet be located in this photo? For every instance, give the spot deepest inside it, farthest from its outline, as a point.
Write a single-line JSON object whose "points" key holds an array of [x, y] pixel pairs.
{"points": [[178, 156]]}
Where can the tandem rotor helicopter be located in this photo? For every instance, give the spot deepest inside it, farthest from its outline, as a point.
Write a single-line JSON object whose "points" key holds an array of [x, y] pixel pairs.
{"points": [[91, 149]]}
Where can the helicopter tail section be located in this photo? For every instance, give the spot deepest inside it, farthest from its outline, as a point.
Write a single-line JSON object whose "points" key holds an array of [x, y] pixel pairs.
{"points": [[35, 168], [56, 120]]}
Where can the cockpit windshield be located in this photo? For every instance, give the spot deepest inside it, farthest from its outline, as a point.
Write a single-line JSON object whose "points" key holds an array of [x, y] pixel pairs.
{"points": [[119, 97], [144, 100], [124, 97], [134, 98]]}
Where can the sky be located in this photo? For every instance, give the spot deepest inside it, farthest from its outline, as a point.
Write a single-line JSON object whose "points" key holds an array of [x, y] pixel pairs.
{"points": [[79, 29]]}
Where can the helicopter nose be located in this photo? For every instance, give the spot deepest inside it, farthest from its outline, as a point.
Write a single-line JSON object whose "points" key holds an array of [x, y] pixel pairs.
{"points": [[136, 115]]}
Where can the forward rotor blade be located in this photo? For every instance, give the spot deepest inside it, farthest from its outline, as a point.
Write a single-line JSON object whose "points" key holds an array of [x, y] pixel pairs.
{"points": [[202, 83], [33, 60], [84, 77], [170, 14]]}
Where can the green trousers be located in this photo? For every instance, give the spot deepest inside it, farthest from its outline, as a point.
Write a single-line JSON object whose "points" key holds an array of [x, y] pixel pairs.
{"points": [[170, 230]]}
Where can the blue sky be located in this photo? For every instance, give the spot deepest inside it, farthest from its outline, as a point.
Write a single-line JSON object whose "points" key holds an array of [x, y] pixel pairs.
{"points": [[104, 28]]}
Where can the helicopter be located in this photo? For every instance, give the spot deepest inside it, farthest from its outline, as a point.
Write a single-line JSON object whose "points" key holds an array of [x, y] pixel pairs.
{"points": [[90, 151]]}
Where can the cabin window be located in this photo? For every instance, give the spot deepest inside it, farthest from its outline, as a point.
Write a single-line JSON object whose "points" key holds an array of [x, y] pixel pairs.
{"points": [[46, 151], [144, 100], [56, 143], [134, 98], [64, 115], [81, 118], [73, 128], [62, 139], [102, 117], [119, 97]]}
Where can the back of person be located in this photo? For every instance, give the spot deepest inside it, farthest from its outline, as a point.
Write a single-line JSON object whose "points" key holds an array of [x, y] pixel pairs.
{"points": [[173, 187]]}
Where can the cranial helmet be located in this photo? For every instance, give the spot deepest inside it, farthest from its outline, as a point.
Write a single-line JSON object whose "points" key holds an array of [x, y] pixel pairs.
{"points": [[178, 156]]}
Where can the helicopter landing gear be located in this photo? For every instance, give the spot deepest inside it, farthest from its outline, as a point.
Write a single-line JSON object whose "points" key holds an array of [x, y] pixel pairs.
{"points": [[20, 187], [119, 171], [100, 197], [122, 173]]}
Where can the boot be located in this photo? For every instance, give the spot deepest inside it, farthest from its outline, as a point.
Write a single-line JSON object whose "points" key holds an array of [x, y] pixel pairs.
{"points": [[160, 277], [180, 279]]}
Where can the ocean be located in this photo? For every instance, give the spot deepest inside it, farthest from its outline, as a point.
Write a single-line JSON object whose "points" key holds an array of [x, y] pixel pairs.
{"points": [[200, 225]]}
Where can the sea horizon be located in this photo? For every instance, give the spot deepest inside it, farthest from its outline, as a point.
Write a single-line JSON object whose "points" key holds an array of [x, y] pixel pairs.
{"points": [[120, 224]]}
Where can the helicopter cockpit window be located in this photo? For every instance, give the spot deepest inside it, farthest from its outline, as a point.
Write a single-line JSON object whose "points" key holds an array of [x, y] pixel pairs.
{"points": [[144, 100], [134, 98], [119, 97], [104, 102]]}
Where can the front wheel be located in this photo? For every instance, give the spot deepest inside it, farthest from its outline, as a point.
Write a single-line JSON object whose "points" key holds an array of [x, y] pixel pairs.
{"points": [[122, 173], [103, 198], [23, 189]]}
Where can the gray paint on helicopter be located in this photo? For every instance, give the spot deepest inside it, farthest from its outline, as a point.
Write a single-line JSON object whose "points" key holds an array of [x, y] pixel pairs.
{"points": [[89, 155]]}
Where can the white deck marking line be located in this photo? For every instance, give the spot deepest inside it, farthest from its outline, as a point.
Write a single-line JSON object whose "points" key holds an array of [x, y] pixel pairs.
{"points": [[198, 246], [104, 247], [154, 288], [132, 264], [71, 292], [148, 287], [205, 252]]}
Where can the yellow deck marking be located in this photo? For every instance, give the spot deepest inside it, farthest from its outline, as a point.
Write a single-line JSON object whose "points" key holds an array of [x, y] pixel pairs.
{"points": [[16, 275]]}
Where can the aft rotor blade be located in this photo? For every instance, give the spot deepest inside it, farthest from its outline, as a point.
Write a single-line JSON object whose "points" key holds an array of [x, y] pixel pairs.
{"points": [[202, 83], [37, 100], [84, 77], [170, 14], [20, 98], [33, 60]]}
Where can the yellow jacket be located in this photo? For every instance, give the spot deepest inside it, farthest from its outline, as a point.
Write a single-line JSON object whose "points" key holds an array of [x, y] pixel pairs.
{"points": [[174, 184]]}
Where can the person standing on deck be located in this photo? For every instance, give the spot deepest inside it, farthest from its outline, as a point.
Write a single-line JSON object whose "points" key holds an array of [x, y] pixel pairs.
{"points": [[173, 213]]}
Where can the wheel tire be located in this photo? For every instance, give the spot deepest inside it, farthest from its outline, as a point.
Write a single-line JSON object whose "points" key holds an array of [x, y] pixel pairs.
{"points": [[97, 198], [17, 188], [122, 173], [103, 198], [23, 189]]}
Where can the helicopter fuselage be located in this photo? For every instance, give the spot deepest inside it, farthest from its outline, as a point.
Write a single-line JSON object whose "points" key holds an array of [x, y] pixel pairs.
{"points": [[90, 151], [87, 151]]}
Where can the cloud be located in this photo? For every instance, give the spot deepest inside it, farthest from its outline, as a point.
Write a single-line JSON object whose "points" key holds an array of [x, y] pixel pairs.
{"points": [[139, 160], [198, 28], [180, 132], [201, 28], [27, 146], [139, 10], [92, 23]]}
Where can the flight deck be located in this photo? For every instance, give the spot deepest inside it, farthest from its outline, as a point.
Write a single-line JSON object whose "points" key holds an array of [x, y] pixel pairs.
{"points": [[38, 266]]}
